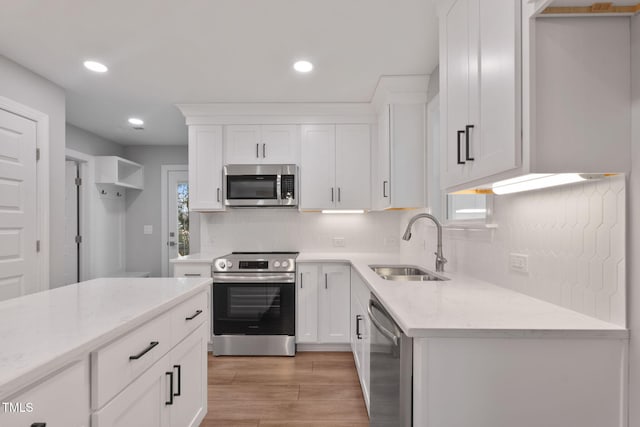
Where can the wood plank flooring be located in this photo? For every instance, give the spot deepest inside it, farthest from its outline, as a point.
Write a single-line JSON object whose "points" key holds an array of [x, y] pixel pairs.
{"points": [[310, 390]]}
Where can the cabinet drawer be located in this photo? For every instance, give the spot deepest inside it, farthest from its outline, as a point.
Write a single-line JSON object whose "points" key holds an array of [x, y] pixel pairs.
{"points": [[120, 362], [191, 270], [188, 316]]}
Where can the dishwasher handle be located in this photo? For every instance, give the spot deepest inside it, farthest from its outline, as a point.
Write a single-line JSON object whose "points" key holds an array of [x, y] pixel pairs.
{"points": [[386, 332]]}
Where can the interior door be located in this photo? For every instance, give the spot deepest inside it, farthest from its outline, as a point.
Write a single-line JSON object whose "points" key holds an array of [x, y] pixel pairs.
{"points": [[71, 224], [177, 233], [17, 206]]}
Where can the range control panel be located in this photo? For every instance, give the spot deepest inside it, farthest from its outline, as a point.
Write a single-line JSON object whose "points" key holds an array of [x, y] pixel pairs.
{"points": [[256, 262]]}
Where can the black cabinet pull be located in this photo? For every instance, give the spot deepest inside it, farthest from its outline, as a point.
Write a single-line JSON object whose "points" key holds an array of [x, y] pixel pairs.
{"points": [[300, 280], [332, 194], [264, 150], [39, 425], [179, 379], [466, 135], [170, 401], [358, 319], [339, 194], [460, 162], [384, 188], [218, 193], [198, 312], [145, 351], [257, 152]]}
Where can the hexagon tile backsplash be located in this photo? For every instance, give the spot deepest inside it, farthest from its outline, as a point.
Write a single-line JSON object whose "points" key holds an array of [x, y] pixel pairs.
{"points": [[574, 237]]}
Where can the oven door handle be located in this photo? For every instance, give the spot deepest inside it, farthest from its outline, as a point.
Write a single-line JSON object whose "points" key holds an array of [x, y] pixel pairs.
{"points": [[247, 278]]}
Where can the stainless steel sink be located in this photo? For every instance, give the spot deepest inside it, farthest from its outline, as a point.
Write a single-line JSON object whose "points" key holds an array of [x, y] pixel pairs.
{"points": [[405, 273]]}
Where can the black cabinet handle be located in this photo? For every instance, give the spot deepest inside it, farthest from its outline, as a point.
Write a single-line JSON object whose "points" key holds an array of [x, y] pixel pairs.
{"points": [[192, 274], [170, 401], [264, 152], [300, 280], [460, 162], [358, 319], [145, 351], [332, 194], [198, 312], [339, 194], [218, 193], [39, 425], [326, 280], [384, 188], [466, 136], [179, 379], [257, 151]]}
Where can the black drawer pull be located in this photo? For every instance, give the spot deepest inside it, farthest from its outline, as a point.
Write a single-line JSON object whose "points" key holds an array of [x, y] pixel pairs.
{"points": [[358, 319], [145, 351], [179, 379], [39, 425], [460, 162], [170, 402], [192, 274], [466, 135], [194, 316]]}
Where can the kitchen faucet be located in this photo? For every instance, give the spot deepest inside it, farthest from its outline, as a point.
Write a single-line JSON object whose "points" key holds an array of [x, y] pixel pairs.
{"points": [[440, 259]]}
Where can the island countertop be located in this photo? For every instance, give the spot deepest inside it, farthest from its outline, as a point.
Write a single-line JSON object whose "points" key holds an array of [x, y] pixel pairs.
{"points": [[39, 332]]}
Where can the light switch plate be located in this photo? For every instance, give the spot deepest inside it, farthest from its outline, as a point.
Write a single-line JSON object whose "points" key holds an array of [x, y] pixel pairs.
{"points": [[339, 242], [148, 229], [519, 262]]}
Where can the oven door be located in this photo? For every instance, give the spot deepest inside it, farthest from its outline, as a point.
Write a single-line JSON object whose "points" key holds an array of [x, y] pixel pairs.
{"points": [[254, 309]]}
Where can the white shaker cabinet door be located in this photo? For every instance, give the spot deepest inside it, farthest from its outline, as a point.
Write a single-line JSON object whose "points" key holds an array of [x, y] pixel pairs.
{"points": [[242, 144], [205, 168], [307, 303], [317, 169], [334, 293], [279, 144], [353, 167]]}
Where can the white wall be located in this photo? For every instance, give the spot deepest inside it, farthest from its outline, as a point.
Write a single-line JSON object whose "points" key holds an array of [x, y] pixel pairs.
{"points": [[144, 252], [284, 230], [574, 237], [89, 143], [23, 86], [634, 228]]}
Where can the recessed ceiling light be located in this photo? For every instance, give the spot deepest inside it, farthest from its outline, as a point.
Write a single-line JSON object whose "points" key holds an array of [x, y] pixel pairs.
{"points": [[303, 66], [136, 122], [96, 67]]}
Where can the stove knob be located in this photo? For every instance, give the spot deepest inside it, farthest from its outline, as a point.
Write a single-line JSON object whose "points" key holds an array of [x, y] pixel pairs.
{"points": [[285, 264], [229, 264], [221, 264], [276, 264]]}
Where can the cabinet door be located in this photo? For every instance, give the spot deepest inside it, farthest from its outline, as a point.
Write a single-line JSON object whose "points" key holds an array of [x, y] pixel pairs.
{"points": [[59, 401], [381, 161], [189, 360], [454, 73], [334, 292], [143, 403], [242, 144], [205, 168], [353, 166], [307, 303], [317, 167], [495, 140], [280, 144]]}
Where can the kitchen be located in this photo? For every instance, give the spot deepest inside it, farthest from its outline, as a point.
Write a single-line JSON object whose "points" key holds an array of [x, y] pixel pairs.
{"points": [[536, 321]]}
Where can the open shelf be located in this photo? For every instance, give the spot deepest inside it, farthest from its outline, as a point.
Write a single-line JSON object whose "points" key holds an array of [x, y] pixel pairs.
{"points": [[121, 172]]}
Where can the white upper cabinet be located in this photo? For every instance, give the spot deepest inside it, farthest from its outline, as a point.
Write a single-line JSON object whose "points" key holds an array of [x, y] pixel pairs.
{"points": [[268, 144], [479, 89], [205, 168], [335, 167]]}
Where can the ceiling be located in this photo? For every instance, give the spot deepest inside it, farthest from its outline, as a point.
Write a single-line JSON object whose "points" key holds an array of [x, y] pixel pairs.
{"points": [[164, 52]]}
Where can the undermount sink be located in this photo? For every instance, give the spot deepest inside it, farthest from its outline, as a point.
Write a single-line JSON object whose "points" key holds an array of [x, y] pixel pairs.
{"points": [[405, 273]]}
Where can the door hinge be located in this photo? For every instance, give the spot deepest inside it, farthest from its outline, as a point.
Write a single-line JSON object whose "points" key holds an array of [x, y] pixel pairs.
{"points": [[78, 239], [37, 245], [37, 154], [78, 182]]}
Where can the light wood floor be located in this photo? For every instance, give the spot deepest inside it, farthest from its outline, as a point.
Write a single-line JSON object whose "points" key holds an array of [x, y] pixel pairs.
{"points": [[309, 390]]}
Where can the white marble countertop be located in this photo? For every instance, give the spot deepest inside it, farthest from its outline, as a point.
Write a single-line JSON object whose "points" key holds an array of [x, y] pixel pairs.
{"points": [[204, 258], [44, 331], [464, 306]]}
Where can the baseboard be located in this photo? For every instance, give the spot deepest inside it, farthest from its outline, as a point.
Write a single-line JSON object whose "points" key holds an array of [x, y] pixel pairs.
{"points": [[323, 347]]}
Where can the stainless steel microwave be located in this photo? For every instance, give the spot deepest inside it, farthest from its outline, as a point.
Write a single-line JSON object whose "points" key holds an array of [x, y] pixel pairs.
{"points": [[261, 185]]}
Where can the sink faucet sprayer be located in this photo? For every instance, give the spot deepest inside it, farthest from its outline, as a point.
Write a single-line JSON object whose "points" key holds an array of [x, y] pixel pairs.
{"points": [[440, 259]]}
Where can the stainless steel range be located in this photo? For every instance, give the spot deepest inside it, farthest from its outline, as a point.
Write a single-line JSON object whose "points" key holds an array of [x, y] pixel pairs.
{"points": [[254, 304]]}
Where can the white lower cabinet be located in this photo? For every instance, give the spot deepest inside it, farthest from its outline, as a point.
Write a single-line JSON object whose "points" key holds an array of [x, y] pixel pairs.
{"points": [[61, 400], [171, 393], [360, 330], [323, 303]]}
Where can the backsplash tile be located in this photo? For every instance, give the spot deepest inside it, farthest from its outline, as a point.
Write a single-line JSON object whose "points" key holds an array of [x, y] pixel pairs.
{"points": [[574, 237]]}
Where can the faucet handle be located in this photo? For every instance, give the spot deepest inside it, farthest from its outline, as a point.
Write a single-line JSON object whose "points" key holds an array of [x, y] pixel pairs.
{"points": [[440, 258]]}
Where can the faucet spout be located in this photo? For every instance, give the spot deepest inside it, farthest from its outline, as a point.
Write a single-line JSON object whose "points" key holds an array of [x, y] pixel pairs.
{"points": [[440, 259]]}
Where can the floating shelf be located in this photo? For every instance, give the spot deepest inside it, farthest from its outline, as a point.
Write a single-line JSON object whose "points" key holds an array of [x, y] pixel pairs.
{"points": [[120, 172]]}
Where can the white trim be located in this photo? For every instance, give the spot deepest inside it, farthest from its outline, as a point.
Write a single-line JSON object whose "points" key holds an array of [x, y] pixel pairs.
{"points": [[85, 164], [164, 170], [43, 180]]}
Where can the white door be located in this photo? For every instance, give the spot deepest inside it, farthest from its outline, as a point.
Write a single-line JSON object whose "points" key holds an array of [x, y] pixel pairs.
{"points": [[71, 224], [18, 254], [307, 303], [279, 144], [317, 167], [353, 172], [242, 144], [177, 233], [334, 292]]}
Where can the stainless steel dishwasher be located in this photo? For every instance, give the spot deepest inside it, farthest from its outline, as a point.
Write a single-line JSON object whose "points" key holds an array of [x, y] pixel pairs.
{"points": [[391, 393]]}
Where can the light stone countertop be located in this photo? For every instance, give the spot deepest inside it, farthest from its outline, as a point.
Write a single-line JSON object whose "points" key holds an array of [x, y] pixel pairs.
{"points": [[204, 258], [466, 307], [42, 332]]}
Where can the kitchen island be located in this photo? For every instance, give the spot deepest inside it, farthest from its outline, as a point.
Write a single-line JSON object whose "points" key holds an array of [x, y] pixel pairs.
{"points": [[106, 352]]}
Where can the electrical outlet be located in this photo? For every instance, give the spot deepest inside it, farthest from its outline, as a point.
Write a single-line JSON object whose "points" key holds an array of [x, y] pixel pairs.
{"points": [[519, 262], [339, 242]]}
